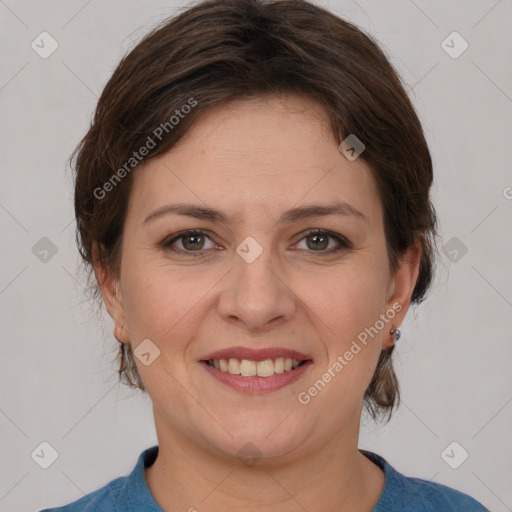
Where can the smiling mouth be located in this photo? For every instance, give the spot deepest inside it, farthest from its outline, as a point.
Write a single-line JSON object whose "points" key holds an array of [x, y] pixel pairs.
{"points": [[249, 368]]}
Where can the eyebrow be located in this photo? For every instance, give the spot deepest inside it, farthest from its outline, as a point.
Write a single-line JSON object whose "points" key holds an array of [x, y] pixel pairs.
{"points": [[292, 215]]}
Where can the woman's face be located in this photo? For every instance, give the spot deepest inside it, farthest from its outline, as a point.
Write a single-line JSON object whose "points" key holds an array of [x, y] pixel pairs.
{"points": [[257, 285]]}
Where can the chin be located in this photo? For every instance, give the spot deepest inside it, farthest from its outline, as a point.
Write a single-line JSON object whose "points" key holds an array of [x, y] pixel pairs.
{"points": [[263, 440]]}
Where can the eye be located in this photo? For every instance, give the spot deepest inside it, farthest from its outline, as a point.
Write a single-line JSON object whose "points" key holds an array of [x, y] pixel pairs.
{"points": [[193, 242], [317, 240]]}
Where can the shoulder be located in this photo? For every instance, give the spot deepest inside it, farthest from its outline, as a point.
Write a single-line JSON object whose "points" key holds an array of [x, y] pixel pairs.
{"points": [[127, 493], [430, 496], [104, 499], [404, 494]]}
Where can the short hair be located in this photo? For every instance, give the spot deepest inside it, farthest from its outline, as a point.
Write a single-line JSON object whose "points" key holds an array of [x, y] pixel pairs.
{"points": [[217, 51]]}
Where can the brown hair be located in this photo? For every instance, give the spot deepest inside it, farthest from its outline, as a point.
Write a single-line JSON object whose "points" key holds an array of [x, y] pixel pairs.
{"points": [[222, 50]]}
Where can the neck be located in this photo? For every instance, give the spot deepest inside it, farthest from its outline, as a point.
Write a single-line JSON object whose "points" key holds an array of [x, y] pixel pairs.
{"points": [[337, 478]]}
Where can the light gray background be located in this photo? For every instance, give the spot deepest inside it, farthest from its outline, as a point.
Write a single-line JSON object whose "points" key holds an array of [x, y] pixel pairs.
{"points": [[58, 383]]}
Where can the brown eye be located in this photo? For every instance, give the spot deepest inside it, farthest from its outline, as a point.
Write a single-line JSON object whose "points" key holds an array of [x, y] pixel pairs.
{"points": [[318, 241], [191, 241]]}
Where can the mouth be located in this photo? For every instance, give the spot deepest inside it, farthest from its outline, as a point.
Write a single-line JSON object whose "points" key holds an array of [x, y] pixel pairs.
{"points": [[256, 371], [251, 368]]}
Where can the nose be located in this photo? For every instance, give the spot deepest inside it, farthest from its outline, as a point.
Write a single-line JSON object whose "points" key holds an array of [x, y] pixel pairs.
{"points": [[256, 293]]}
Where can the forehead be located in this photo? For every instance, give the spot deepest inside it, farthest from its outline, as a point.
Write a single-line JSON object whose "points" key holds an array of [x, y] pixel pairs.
{"points": [[270, 154]]}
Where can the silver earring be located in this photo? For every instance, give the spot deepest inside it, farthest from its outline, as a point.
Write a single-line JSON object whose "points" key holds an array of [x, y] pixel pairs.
{"points": [[396, 334]]}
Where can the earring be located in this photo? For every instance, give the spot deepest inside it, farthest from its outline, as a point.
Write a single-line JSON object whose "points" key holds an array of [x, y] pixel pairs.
{"points": [[396, 334]]}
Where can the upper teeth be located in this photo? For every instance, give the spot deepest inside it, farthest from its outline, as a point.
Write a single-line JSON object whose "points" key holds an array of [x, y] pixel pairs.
{"points": [[248, 368]]}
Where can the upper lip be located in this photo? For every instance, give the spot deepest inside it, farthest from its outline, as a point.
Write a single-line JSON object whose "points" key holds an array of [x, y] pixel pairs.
{"points": [[256, 354]]}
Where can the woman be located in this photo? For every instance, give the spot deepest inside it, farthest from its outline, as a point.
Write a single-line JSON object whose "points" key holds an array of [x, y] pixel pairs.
{"points": [[253, 197]]}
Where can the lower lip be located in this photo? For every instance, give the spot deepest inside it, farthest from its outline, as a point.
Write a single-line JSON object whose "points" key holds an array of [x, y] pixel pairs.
{"points": [[257, 385]]}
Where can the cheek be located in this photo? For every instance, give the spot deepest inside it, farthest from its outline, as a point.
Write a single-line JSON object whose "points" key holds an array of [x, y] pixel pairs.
{"points": [[165, 304], [349, 301], [349, 305], [158, 309], [154, 303], [146, 304]]}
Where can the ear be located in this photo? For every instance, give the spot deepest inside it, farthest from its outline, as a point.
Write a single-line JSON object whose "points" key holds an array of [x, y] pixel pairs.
{"points": [[401, 287], [112, 296]]}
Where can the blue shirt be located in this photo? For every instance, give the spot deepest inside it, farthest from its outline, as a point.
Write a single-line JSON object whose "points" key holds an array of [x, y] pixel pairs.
{"points": [[400, 494]]}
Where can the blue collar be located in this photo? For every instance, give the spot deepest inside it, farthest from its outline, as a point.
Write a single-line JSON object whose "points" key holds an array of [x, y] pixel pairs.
{"points": [[135, 491]]}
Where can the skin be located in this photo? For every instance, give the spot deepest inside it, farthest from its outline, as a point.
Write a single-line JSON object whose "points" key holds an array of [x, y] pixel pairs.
{"points": [[254, 159]]}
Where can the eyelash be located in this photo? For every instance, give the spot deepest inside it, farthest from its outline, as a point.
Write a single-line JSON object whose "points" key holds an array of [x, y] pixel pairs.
{"points": [[167, 244]]}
